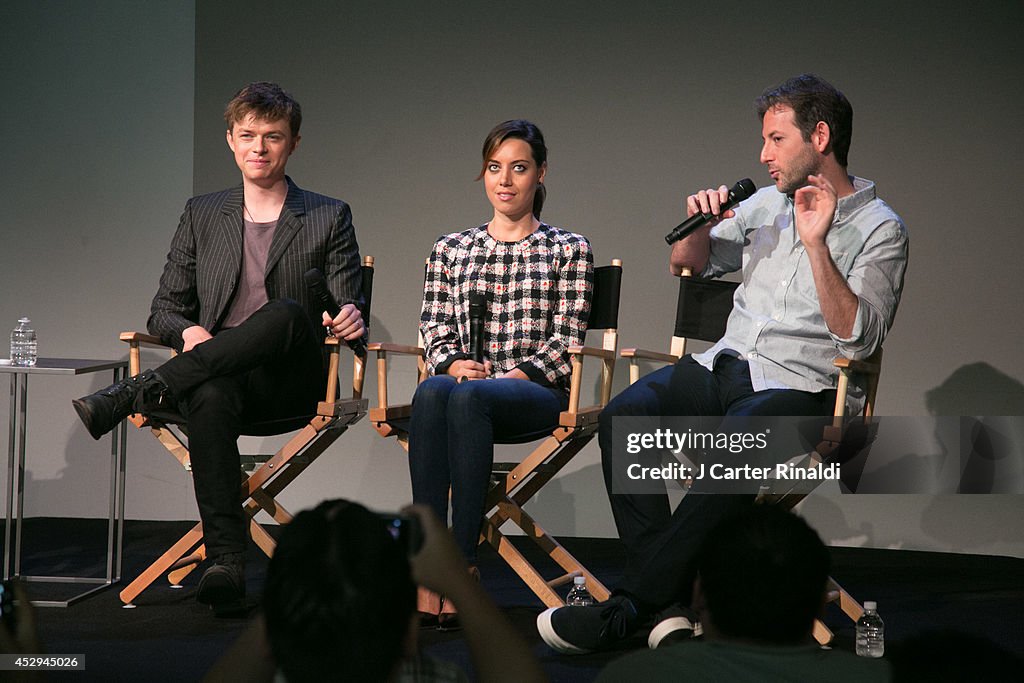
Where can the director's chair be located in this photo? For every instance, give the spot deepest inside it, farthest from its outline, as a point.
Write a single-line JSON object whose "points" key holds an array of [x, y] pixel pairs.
{"points": [[702, 310], [263, 477], [514, 483]]}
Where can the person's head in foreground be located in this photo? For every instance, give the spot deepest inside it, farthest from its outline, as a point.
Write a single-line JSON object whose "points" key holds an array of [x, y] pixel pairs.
{"points": [[761, 578], [339, 597]]}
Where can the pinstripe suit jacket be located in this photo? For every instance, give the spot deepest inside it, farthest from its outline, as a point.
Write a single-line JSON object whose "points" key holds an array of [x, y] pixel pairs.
{"points": [[204, 263]]}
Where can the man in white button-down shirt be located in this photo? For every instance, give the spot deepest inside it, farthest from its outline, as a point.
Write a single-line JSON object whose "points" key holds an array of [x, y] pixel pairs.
{"points": [[822, 260]]}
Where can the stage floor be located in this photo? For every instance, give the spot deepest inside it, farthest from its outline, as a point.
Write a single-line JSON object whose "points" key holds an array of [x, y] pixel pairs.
{"points": [[168, 637]]}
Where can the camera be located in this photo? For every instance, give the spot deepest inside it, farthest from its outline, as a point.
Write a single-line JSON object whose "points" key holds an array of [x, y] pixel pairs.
{"points": [[405, 530]]}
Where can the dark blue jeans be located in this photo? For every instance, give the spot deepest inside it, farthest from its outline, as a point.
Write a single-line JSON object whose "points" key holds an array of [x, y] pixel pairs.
{"points": [[451, 441], [661, 544]]}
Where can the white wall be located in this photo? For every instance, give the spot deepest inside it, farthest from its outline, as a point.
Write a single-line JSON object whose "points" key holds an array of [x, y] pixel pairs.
{"points": [[640, 104], [98, 124]]}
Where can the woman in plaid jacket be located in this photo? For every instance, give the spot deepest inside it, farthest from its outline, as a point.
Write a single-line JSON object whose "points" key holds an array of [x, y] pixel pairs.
{"points": [[537, 280]]}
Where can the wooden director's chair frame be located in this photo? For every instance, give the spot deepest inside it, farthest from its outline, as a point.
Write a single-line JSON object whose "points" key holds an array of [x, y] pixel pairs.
{"points": [[701, 313], [262, 477], [513, 484]]}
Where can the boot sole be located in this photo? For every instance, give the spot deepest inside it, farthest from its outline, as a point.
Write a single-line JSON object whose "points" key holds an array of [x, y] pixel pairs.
{"points": [[219, 592], [553, 640], [677, 629]]}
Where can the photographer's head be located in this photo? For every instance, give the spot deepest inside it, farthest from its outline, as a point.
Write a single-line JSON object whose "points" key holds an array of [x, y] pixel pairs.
{"points": [[339, 596], [762, 577]]}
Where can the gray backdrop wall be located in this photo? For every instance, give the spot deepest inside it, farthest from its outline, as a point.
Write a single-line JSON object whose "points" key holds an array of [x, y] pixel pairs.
{"points": [[114, 120]]}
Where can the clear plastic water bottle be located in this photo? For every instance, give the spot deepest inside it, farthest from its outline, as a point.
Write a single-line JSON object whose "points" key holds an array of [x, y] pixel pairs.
{"points": [[23, 344], [579, 596], [870, 632]]}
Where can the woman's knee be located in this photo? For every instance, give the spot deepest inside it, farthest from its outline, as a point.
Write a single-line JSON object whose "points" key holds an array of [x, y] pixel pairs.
{"points": [[470, 401], [433, 393]]}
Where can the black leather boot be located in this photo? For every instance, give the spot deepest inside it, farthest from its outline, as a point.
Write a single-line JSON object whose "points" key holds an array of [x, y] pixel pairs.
{"points": [[102, 411]]}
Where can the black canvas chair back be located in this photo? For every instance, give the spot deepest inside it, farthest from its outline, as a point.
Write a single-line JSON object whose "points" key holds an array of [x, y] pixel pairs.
{"points": [[604, 307], [703, 307]]}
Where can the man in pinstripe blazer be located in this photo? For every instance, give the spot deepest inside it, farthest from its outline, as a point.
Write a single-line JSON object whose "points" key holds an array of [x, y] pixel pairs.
{"points": [[233, 300]]}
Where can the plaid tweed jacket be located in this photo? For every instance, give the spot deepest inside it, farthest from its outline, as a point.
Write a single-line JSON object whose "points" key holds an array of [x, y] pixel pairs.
{"points": [[538, 292]]}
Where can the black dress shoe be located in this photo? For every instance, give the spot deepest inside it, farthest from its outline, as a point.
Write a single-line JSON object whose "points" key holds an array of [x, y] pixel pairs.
{"points": [[223, 585], [102, 411]]}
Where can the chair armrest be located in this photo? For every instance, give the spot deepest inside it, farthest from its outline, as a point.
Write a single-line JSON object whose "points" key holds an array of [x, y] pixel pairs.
{"points": [[593, 351], [578, 353], [864, 366], [645, 354], [382, 349], [135, 341], [385, 414], [582, 417], [141, 338], [333, 345], [395, 348]]}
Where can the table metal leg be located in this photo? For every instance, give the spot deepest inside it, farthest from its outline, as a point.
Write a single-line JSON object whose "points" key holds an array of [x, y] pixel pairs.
{"points": [[122, 467], [23, 428], [115, 514], [12, 428], [16, 509]]}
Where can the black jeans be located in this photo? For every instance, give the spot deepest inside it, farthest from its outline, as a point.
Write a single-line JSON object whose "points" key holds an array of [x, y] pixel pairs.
{"points": [[267, 369], [661, 544]]}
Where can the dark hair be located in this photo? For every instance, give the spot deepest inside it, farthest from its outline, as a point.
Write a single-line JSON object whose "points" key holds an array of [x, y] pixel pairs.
{"points": [[774, 556], [519, 129], [950, 655], [339, 595], [266, 101], [813, 99]]}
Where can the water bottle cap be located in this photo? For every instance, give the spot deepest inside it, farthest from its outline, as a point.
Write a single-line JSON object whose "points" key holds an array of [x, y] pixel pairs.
{"points": [[870, 605], [579, 580]]}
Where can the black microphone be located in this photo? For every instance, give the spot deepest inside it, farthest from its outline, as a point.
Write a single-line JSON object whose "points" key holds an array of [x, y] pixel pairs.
{"points": [[737, 194], [318, 288], [477, 313]]}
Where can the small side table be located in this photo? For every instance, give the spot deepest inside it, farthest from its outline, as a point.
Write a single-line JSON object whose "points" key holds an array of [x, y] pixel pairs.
{"points": [[17, 436]]}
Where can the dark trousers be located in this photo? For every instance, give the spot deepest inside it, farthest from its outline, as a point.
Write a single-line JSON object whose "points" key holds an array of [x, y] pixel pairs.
{"points": [[268, 369], [451, 441], [661, 544]]}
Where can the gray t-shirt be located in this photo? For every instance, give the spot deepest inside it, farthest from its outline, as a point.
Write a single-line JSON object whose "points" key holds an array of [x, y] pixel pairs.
{"points": [[251, 292]]}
